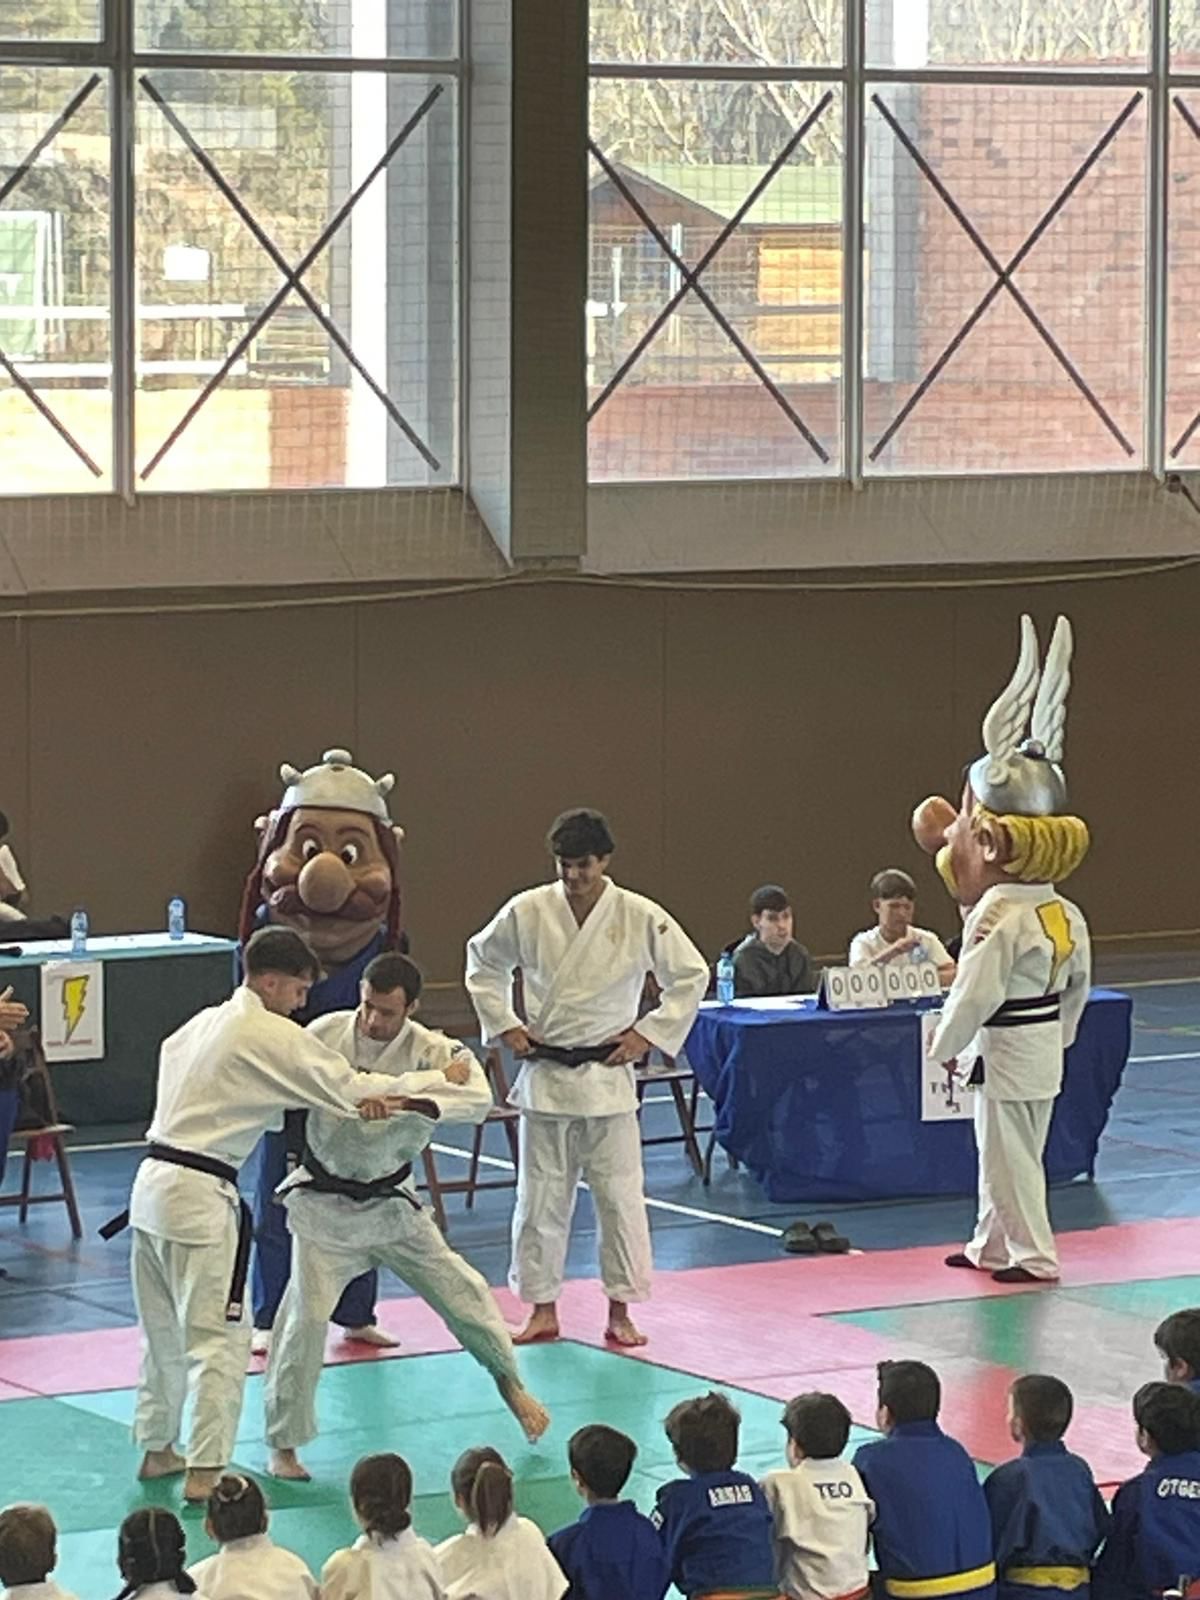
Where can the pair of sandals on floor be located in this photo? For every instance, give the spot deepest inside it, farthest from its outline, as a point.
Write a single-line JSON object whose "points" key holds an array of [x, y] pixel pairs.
{"points": [[822, 1240]]}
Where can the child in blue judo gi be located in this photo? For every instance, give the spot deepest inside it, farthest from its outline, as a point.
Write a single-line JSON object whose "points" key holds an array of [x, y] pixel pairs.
{"points": [[932, 1532], [1154, 1544], [1048, 1519], [716, 1525], [613, 1552], [1177, 1339]]}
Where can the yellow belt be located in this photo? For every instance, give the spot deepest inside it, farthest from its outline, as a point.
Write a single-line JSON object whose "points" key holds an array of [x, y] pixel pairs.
{"points": [[1049, 1577], [930, 1588]]}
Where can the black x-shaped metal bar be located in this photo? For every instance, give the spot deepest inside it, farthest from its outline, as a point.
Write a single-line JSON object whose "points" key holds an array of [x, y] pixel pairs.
{"points": [[292, 279], [280, 260], [1185, 437], [1004, 272], [16, 176], [690, 278]]}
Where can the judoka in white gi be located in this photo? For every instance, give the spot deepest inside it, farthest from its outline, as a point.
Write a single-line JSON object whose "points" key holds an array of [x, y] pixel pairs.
{"points": [[249, 1562], [1025, 970], [352, 1204], [223, 1079], [584, 948]]}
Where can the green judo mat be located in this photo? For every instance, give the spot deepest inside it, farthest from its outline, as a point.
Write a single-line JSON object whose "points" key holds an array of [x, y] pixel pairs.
{"points": [[74, 1454]]}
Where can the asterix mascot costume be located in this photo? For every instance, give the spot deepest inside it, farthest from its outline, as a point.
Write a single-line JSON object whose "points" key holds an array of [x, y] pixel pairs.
{"points": [[329, 866], [1025, 970]]}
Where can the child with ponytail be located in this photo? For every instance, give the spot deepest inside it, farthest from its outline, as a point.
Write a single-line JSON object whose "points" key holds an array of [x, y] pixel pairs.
{"points": [[249, 1561], [501, 1556], [152, 1556], [389, 1561]]}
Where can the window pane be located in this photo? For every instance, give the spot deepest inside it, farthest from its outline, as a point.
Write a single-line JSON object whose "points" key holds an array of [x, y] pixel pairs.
{"points": [[1183, 369], [287, 406], [56, 425], [748, 32], [960, 377], [918, 33], [50, 19], [1185, 35], [368, 29], [682, 395]]}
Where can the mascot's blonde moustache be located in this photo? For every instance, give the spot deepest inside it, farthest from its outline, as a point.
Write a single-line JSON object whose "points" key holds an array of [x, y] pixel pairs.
{"points": [[1042, 849]]}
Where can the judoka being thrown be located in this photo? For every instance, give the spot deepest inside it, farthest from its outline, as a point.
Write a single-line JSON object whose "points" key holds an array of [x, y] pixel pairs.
{"points": [[584, 948]]}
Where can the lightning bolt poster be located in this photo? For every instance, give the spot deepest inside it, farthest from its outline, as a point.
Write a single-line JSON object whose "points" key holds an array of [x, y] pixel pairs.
{"points": [[72, 1012]]}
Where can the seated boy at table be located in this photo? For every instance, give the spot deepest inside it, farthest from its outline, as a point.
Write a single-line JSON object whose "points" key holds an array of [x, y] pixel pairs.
{"points": [[716, 1525], [822, 1512], [1177, 1340], [12, 884], [1154, 1543], [894, 938], [932, 1532], [1048, 1519], [769, 961]]}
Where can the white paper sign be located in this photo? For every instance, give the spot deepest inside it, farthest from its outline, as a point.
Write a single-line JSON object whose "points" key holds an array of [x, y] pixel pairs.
{"points": [[853, 988], [946, 1096], [72, 1018]]}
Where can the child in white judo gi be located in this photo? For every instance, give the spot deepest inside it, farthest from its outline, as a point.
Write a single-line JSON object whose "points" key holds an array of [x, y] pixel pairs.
{"points": [[584, 948], [352, 1204], [29, 1554], [501, 1556], [822, 1511], [389, 1561], [152, 1556], [249, 1561]]}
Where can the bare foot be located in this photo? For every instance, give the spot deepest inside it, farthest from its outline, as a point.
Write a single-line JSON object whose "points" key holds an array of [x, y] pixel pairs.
{"points": [[530, 1413], [166, 1463], [541, 1327], [623, 1330], [371, 1334], [199, 1484], [287, 1464]]}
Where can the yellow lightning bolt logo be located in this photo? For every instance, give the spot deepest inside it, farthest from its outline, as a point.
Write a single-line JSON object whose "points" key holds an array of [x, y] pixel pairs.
{"points": [[1058, 930], [74, 1001]]}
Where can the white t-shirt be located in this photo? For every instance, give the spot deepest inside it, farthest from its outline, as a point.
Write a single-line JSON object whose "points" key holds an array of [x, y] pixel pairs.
{"points": [[254, 1565], [869, 945], [822, 1513], [10, 869]]}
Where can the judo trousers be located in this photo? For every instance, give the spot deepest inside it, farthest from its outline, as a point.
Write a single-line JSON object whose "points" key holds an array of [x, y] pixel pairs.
{"points": [[555, 1153], [419, 1255], [181, 1291], [1013, 1227]]}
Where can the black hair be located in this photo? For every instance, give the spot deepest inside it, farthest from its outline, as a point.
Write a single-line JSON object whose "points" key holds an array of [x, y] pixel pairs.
{"points": [[151, 1549], [236, 1509], [892, 884], [578, 833], [769, 898], [1044, 1405], [1169, 1416], [28, 1544], [3, 824], [817, 1424], [381, 1490], [483, 1485], [704, 1432], [281, 950], [391, 971], [1178, 1338], [602, 1459], [910, 1390]]}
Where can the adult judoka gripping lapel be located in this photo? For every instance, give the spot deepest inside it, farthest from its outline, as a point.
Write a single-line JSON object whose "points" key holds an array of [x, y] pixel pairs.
{"points": [[584, 948], [352, 1204]]}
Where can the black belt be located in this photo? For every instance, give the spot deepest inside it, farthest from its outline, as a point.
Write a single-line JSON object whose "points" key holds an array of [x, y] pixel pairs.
{"points": [[568, 1056], [1025, 1013], [227, 1174], [325, 1182]]}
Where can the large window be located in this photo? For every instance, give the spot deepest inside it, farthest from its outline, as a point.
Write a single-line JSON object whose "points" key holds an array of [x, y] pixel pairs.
{"points": [[228, 244], [893, 237]]}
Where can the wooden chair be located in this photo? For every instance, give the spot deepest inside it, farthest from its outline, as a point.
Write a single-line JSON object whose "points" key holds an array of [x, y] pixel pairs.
{"points": [[37, 1090], [676, 1078], [501, 1113]]}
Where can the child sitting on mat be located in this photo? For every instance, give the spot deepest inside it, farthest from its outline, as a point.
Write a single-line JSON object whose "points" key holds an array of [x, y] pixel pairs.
{"points": [[1177, 1340], [612, 1552], [715, 1524], [822, 1511], [501, 1556], [389, 1561], [1154, 1543], [152, 1556], [249, 1561], [29, 1554]]}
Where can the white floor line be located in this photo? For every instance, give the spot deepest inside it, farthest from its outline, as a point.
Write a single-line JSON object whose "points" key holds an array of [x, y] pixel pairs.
{"points": [[1145, 983], [1174, 1055]]}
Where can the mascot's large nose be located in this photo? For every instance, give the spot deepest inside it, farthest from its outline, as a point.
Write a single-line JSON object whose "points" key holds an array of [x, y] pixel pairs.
{"points": [[324, 884], [930, 821]]}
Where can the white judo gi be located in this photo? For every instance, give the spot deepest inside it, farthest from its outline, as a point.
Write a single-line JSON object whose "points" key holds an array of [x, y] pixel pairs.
{"points": [[335, 1238], [1023, 943], [403, 1568], [582, 986], [224, 1079], [514, 1563], [254, 1566], [823, 1516]]}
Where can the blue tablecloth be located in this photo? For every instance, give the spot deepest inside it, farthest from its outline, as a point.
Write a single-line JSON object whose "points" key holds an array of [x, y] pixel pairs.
{"points": [[826, 1106]]}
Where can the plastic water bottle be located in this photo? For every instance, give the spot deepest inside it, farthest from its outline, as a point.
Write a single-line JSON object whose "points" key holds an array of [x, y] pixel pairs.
{"points": [[79, 931], [725, 979], [176, 919]]}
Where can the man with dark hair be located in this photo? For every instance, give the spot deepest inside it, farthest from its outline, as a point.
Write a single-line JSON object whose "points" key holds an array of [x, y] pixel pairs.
{"points": [[584, 948], [223, 1079], [769, 961], [931, 1524], [352, 1204], [822, 1511], [12, 884], [612, 1552], [894, 938], [1048, 1518], [1177, 1339], [1154, 1543]]}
